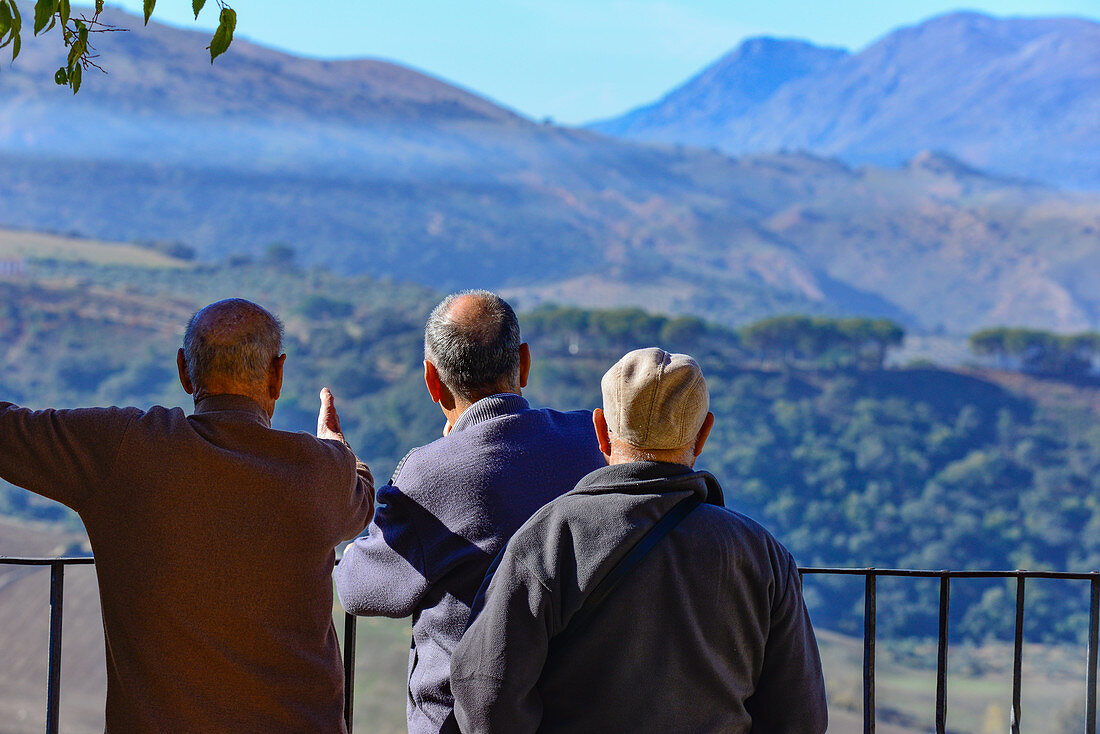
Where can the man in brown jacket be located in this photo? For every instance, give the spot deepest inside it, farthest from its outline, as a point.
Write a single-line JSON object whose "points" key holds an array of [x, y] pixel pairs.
{"points": [[214, 537]]}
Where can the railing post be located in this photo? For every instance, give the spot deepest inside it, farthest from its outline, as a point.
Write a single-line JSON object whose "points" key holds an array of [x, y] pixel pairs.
{"points": [[869, 606], [349, 667], [1017, 657], [1090, 681], [941, 659], [53, 686]]}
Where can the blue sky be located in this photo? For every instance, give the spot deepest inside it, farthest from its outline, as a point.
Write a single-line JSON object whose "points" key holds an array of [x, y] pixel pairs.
{"points": [[572, 60]]}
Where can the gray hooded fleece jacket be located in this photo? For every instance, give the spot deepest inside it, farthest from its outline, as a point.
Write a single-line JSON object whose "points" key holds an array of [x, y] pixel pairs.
{"points": [[709, 633]]}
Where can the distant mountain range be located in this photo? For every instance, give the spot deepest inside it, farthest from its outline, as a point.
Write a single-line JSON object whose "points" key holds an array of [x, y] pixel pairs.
{"points": [[1018, 96], [369, 167]]}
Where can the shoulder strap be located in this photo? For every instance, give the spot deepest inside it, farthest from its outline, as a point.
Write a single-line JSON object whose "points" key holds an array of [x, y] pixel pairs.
{"points": [[628, 562]]}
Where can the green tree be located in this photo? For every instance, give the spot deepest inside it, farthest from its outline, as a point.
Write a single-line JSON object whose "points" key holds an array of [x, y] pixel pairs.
{"points": [[1034, 350], [871, 339], [280, 254], [76, 31], [778, 339], [823, 342]]}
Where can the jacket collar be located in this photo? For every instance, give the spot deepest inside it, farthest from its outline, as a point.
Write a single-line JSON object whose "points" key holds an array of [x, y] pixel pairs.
{"points": [[652, 477], [494, 406], [234, 404]]}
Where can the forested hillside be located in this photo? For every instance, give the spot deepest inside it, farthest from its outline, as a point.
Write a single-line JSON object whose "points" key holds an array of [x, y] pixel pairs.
{"points": [[850, 465]]}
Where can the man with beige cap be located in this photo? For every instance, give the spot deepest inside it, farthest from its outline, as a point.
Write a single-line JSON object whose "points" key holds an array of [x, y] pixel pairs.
{"points": [[637, 602]]}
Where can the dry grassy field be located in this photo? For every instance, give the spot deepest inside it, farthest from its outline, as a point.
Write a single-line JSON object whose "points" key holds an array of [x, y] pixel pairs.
{"points": [[16, 244]]}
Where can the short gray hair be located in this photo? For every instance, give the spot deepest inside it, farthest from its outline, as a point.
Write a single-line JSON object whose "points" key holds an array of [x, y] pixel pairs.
{"points": [[234, 338], [474, 355]]}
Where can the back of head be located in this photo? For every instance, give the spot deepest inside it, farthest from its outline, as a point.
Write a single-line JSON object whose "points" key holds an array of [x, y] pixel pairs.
{"points": [[473, 340], [655, 402], [231, 342]]}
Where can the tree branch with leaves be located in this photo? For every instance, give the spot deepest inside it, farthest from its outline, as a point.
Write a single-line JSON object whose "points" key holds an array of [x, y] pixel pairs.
{"points": [[76, 32]]}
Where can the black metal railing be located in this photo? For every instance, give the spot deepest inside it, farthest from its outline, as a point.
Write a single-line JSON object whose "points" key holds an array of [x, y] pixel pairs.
{"points": [[57, 610], [870, 575]]}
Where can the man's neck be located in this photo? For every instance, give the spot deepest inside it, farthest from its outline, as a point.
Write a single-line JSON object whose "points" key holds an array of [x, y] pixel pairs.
{"points": [[462, 405], [266, 403], [683, 457]]}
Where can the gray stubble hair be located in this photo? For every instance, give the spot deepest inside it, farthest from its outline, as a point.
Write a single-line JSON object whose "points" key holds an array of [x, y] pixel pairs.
{"points": [[233, 338]]}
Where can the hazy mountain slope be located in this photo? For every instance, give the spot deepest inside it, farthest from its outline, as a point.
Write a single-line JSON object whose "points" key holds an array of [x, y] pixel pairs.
{"points": [[371, 168], [162, 98], [361, 165], [955, 246], [1017, 96], [699, 111]]}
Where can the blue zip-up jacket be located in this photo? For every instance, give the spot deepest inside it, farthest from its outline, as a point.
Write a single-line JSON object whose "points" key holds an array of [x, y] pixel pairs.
{"points": [[448, 510]]}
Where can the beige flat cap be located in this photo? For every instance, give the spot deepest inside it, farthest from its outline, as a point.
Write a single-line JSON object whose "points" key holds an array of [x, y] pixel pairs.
{"points": [[655, 400]]}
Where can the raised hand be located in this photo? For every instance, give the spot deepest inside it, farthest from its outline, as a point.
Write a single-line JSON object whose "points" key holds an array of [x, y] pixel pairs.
{"points": [[328, 421]]}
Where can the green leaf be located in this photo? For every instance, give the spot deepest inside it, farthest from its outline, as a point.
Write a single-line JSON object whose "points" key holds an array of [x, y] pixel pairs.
{"points": [[74, 78], [75, 52], [98, 6], [61, 78], [63, 8], [196, 5], [5, 19], [16, 28], [149, 5], [43, 13], [224, 35], [80, 45]]}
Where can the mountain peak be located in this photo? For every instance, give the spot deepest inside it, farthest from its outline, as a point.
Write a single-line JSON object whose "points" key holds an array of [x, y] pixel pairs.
{"points": [[739, 81], [1014, 96], [944, 164], [770, 46]]}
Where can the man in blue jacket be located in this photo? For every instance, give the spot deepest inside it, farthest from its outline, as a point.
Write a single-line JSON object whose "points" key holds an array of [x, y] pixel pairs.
{"points": [[706, 632], [451, 505]]}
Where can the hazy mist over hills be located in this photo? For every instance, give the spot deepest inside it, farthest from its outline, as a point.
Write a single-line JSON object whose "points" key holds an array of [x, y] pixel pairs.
{"points": [[1018, 96], [370, 167]]}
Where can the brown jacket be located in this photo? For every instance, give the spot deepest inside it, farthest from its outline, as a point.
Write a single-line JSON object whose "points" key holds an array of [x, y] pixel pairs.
{"points": [[214, 538]]}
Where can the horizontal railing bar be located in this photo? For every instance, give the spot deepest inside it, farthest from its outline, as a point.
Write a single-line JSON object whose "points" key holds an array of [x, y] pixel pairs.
{"points": [[815, 570], [928, 573], [1069, 575], [68, 561]]}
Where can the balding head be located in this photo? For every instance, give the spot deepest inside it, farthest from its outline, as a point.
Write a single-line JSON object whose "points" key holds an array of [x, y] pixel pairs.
{"points": [[473, 340], [232, 342]]}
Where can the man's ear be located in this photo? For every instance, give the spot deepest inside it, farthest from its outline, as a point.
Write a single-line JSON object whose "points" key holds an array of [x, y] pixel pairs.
{"points": [[432, 381], [185, 379], [275, 377], [603, 436], [704, 433], [441, 394], [524, 364]]}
